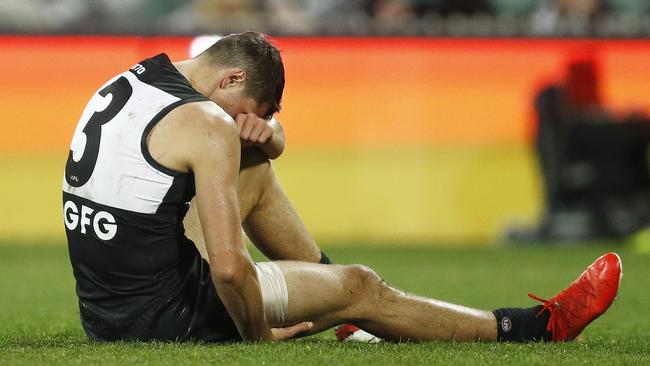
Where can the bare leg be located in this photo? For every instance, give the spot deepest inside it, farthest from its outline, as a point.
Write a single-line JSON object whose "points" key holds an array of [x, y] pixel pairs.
{"points": [[332, 295], [269, 219]]}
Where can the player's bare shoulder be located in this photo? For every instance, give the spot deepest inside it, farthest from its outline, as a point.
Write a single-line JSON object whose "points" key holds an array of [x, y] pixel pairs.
{"points": [[190, 130]]}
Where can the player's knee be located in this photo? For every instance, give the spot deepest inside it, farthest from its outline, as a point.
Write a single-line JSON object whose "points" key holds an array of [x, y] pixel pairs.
{"points": [[361, 281], [255, 169], [254, 173], [254, 159]]}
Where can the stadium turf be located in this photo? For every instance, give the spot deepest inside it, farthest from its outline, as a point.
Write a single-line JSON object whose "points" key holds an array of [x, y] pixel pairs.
{"points": [[39, 319]]}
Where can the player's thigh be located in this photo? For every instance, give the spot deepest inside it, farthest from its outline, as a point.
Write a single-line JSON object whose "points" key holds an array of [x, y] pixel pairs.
{"points": [[269, 219], [253, 175]]}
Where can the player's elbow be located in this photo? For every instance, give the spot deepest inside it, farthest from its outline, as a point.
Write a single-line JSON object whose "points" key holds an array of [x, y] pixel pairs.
{"points": [[231, 270]]}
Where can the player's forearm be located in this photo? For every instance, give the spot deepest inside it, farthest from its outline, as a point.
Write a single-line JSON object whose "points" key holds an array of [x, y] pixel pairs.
{"points": [[274, 147], [213, 155], [242, 298]]}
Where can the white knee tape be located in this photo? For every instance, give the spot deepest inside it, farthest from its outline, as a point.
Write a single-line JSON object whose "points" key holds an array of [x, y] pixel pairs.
{"points": [[274, 291]]}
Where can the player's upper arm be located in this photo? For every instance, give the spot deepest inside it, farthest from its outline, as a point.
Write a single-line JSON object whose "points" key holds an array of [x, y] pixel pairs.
{"points": [[211, 148], [211, 141]]}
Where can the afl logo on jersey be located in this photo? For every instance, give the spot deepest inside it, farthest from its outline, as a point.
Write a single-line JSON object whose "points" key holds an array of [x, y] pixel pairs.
{"points": [[103, 223]]}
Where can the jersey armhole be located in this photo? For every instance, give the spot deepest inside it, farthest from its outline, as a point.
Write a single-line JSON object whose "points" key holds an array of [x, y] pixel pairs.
{"points": [[143, 142]]}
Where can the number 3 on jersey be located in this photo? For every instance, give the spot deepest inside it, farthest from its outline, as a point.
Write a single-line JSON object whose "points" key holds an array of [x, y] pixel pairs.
{"points": [[77, 173]]}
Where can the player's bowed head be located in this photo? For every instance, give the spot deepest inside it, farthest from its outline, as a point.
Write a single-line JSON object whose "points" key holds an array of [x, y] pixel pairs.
{"points": [[243, 73]]}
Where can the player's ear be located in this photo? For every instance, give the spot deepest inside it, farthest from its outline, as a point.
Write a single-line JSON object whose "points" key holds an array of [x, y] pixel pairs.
{"points": [[233, 78]]}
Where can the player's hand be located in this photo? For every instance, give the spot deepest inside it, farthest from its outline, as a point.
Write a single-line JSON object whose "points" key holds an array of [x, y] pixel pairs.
{"points": [[253, 130], [283, 334]]}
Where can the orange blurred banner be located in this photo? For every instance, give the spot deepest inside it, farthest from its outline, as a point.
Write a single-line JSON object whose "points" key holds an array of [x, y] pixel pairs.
{"points": [[362, 92]]}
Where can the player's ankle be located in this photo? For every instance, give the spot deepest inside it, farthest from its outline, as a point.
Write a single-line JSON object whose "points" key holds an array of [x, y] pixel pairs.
{"points": [[522, 325]]}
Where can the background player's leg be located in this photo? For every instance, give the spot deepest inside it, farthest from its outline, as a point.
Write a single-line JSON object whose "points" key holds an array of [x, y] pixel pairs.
{"points": [[269, 219], [333, 294]]}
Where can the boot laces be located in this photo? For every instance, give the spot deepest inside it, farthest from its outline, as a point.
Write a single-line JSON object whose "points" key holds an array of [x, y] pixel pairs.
{"points": [[562, 313]]}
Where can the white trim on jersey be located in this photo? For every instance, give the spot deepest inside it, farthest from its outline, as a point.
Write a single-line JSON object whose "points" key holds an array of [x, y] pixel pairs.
{"points": [[122, 177]]}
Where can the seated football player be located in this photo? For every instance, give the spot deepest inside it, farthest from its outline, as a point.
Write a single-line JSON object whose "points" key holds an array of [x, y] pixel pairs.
{"points": [[160, 134]]}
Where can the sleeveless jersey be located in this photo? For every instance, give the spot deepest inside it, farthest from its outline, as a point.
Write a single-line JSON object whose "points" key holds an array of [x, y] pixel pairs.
{"points": [[122, 210]]}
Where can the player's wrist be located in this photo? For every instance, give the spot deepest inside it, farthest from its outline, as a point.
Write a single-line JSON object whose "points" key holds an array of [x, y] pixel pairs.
{"points": [[267, 335], [272, 148], [258, 333]]}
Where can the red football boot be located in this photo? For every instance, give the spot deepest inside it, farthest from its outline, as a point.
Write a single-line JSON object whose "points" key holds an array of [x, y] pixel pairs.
{"points": [[585, 299], [348, 332]]}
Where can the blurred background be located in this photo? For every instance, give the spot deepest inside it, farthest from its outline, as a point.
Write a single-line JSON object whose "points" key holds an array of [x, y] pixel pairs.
{"points": [[466, 122]]}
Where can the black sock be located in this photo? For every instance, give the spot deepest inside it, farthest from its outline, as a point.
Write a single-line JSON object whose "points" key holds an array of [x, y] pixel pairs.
{"points": [[324, 259], [522, 325]]}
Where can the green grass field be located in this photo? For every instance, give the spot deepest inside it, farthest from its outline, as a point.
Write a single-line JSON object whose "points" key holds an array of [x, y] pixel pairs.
{"points": [[39, 317]]}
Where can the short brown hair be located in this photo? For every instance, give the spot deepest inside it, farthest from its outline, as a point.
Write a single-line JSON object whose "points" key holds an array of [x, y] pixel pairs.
{"points": [[261, 60]]}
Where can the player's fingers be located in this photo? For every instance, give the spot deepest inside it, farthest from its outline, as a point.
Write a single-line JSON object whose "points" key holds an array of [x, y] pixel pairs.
{"points": [[265, 135], [281, 334], [292, 331], [260, 125], [239, 121], [249, 123]]}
